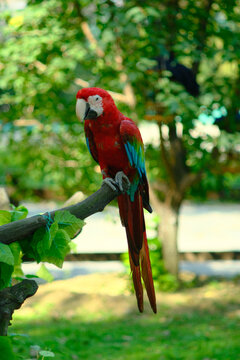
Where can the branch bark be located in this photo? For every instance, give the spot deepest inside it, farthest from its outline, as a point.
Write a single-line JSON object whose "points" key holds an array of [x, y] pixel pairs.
{"points": [[12, 298], [18, 230]]}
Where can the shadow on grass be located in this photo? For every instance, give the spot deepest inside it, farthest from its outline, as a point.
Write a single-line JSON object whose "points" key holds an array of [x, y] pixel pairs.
{"points": [[184, 330]]}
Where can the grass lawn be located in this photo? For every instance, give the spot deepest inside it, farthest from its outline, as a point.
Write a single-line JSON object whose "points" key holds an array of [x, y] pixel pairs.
{"points": [[95, 317]]}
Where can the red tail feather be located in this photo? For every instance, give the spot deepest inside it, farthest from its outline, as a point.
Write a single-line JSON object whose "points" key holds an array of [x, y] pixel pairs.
{"points": [[136, 275], [147, 273], [132, 218]]}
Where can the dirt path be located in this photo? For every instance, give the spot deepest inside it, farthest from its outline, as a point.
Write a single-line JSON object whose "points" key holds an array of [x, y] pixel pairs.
{"points": [[99, 293]]}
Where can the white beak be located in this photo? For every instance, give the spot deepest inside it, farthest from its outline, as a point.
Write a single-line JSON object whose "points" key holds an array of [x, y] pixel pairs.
{"points": [[80, 109]]}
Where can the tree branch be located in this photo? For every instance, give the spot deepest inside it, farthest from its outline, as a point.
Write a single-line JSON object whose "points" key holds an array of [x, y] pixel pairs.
{"points": [[12, 298], [18, 230], [128, 96]]}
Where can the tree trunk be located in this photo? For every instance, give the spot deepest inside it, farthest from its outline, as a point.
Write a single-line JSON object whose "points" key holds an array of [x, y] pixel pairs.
{"points": [[167, 231], [167, 234], [4, 200]]}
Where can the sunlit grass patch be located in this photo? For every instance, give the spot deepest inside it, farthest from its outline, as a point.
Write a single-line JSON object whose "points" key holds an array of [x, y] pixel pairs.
{"points": [[190, 325]]}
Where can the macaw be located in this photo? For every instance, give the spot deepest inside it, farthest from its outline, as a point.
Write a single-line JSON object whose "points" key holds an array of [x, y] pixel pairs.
{"points": [[115, 143]]}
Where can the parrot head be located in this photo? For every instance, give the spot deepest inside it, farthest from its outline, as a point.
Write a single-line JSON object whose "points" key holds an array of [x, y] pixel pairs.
{"points": [[92, 103]]}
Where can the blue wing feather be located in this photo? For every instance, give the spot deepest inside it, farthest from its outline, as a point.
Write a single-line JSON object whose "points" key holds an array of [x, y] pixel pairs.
{"points": [[129, 154], [134, 149], [136, 159], [88, 146]]}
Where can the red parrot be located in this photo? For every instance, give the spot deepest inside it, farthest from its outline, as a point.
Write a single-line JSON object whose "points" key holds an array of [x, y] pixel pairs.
{"points": [[115, 143]]}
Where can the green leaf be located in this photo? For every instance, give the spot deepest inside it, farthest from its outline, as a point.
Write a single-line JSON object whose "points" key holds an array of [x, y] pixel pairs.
{"points": [[6, 265], [6, 348], [30, 276], [16, 251], [59, 249], [5, 274], [53, 230], [18, 272], [44, 273], [70, 223], [6, 255], [5, 217], [73, 247], [37, 244], [43, 239], [45, 353], [17, 254], [144, 64], [28, 248], [19, 213], [51, 246], [136, 14]]}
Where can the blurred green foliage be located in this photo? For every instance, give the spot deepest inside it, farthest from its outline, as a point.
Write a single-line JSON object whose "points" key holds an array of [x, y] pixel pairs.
{"points": [[44, 52], [6, 348], [54, 158]]}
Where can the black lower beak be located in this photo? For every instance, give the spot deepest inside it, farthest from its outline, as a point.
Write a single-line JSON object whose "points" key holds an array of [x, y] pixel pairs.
{"points": [[90, 113]]}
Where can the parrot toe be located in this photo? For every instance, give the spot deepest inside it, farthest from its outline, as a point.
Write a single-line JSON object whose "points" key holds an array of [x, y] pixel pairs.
{"points": [[122, 181], [111, 183]]}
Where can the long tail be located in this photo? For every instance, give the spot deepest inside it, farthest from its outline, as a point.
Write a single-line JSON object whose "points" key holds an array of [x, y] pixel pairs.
{"points": [[132, 218]]}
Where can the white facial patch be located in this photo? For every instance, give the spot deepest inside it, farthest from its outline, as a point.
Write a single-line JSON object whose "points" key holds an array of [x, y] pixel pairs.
{"points": [[80, 109], [95, 102]]}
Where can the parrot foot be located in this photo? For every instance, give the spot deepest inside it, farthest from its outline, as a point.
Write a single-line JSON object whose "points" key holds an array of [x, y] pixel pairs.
{"points": [[122, 181], [111, 183]]}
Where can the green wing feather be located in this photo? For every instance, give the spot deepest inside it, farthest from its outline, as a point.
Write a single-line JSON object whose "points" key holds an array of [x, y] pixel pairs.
{"points": [[135, 152]]}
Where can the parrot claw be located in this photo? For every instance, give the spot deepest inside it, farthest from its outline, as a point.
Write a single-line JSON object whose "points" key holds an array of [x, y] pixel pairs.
{"points": [[111, 183], [122, 181]]}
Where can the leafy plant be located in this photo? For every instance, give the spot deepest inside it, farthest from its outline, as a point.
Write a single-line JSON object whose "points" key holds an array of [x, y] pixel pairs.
{"points": [[50, 244]]}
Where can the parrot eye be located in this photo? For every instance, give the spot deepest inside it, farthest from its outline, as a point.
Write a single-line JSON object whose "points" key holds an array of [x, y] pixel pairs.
{"points": [[95, 102], [97, 97]]}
